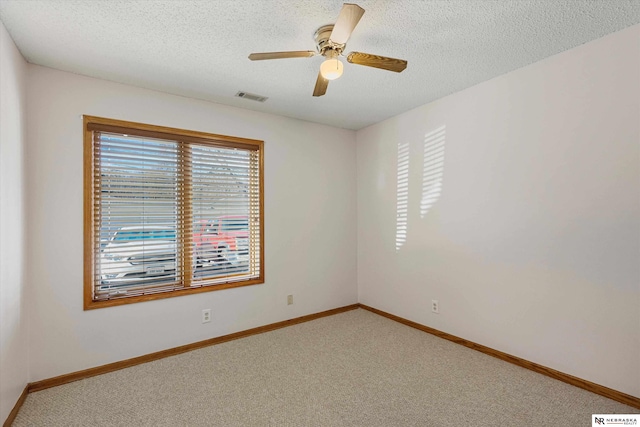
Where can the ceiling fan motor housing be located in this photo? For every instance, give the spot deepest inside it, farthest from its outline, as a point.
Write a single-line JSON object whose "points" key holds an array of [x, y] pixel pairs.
{"points": [[324, 44]]}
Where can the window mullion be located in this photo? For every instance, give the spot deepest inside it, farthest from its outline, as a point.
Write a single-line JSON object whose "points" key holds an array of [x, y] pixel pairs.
{"points": [[185, 215]]}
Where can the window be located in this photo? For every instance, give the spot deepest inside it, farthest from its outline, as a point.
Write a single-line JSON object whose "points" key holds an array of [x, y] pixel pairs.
{"points": [[169, 212]]}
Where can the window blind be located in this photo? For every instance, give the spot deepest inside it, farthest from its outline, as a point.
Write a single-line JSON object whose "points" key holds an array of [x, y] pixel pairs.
{"points": [[170, 214], [225, 203]]}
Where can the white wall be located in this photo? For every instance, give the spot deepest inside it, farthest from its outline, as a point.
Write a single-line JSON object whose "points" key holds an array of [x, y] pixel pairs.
{"points": [[310, 216], [13, 320], [533, 247]]}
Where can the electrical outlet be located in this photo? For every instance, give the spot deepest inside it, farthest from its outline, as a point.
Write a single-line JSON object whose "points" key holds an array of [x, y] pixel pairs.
{"points": [[435, 306], [289, 299], [206, 315]]}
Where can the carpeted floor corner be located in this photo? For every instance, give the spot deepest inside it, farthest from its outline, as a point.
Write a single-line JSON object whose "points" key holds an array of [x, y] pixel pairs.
{"points": [[351, 369]]}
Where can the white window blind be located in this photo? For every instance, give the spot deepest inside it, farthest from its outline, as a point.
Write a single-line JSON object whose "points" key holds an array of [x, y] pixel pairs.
{"points": [[136, 213], [169, 214], [225, 203]]}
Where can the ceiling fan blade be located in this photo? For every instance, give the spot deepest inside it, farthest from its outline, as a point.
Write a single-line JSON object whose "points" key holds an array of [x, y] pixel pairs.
{"points": [[347, 20], [282, 55], [382, 62], [321, 86]]}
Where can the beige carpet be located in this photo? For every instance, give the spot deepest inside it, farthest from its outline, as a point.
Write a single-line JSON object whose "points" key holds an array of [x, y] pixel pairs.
{"points": [[351, 369]]}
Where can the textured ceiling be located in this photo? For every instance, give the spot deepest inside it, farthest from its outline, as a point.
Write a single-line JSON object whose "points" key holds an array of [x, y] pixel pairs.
{"points": [[199, 48]]}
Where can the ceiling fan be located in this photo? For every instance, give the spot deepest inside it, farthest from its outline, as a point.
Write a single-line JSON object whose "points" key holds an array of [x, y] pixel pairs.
{"points": [[331, 41]]}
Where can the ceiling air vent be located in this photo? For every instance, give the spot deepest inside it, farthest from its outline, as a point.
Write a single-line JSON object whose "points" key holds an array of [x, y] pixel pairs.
{"points": [[251, 96]]}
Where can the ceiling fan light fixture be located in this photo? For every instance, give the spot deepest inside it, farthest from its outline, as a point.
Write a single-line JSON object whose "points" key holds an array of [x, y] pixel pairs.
{"points": [[331, 69], [331, 40]]}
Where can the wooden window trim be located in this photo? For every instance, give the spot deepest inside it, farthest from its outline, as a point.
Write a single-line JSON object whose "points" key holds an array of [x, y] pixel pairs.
{"points": [[92, 124]]}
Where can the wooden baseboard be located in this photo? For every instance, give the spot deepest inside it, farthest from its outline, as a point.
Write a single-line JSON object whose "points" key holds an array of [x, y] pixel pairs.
{"points": [[16, 407], [619, 396], [75, 376]]}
